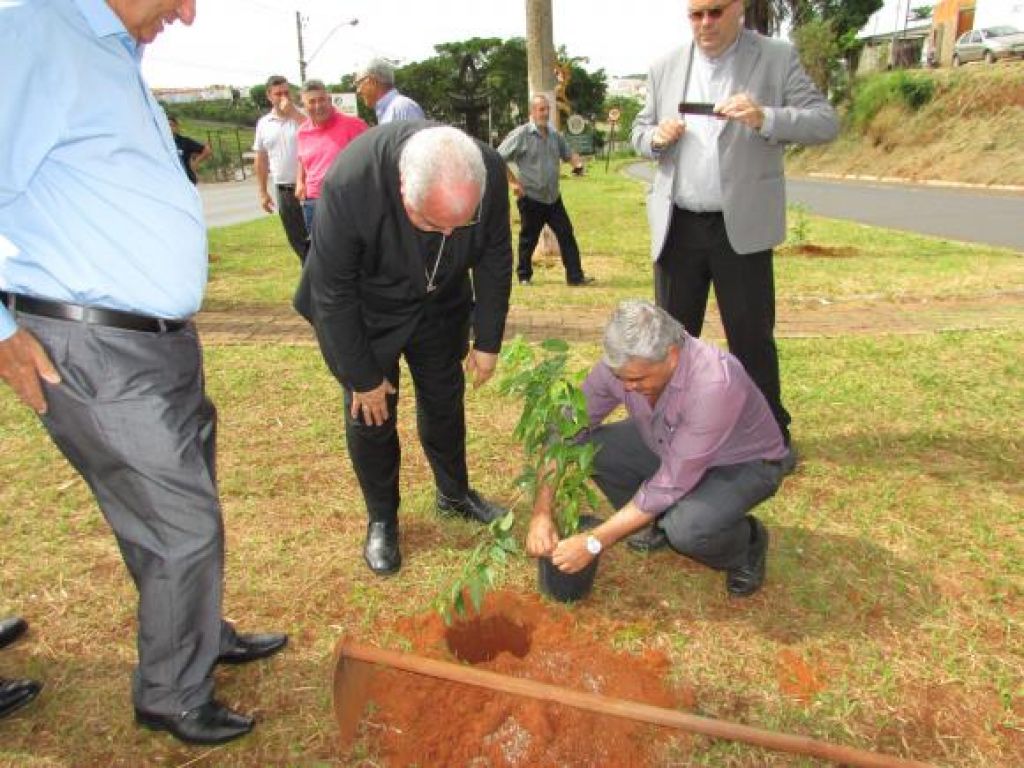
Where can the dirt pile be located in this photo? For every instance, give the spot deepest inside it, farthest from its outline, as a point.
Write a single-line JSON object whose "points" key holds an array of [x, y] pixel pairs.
{"points": [[411, 719]]}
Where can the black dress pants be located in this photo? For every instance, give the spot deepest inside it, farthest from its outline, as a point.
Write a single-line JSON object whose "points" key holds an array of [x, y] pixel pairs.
{"points": [[697, 255], [434, 355], [533, 215], [294, 221]]}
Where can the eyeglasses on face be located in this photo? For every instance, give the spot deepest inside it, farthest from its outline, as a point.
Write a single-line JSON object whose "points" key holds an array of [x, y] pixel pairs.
{"points": [[476, 217], [714, 12], [427, 225]]}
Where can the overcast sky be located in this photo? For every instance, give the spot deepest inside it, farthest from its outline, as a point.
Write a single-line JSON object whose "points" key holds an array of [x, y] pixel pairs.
{"points": [[241, 42]]}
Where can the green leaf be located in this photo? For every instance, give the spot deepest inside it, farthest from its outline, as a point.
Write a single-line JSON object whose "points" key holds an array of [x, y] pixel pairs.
{"points": [[554, 345], [476, 594]]}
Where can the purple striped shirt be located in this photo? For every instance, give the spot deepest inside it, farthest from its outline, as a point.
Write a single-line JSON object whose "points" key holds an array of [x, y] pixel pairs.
{"points": [[710, 414]]}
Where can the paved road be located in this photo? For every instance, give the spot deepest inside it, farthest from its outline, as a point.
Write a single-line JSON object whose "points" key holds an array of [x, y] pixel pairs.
{"points": [[992, 218], [971, 215]]}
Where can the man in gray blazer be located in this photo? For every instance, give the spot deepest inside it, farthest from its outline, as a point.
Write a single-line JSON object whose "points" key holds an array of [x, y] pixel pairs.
{"points": [[718, 203]]}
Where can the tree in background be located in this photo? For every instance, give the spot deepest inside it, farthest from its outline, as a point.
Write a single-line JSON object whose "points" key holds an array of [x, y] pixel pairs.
{"points": [[819, 50], [823, 30], [586, 89], [501, 64], [766, 16]]}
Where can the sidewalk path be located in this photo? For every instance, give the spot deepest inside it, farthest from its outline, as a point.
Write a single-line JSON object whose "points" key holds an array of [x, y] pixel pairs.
{"points": [[1002, 311]]}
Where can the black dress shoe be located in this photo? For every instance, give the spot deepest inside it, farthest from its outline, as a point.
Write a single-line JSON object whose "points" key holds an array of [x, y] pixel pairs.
{"points": [[210, 723], [472, 506], [648, 539], [251, 647], [585, 280], [11, 630], [15, 694], [748, 578], [381, 552]]}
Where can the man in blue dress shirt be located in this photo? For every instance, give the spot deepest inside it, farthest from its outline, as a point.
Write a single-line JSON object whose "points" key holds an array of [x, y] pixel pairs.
{"points": [[102, 266]]}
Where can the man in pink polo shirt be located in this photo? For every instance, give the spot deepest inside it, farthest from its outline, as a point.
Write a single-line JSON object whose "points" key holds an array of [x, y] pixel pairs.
{"points": [[321, 137]]}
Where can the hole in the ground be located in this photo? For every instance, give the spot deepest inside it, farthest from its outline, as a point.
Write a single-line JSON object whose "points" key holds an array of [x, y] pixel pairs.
{"points": [[483, 638]]}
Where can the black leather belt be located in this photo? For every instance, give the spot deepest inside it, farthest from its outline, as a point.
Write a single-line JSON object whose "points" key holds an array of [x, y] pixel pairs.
{"points": [[703, 214], [112, 318]]}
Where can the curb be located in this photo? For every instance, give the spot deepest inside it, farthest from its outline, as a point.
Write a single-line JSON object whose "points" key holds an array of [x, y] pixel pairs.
{"points": [[910, 182], [895, 180]]}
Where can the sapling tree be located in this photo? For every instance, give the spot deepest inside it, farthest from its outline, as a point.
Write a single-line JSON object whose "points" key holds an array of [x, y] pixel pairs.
{"points": [[480, 570], [554, 411]]}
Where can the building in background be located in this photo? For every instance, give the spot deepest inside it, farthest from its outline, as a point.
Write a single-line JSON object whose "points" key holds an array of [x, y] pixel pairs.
{"points": [[896, 35], [209, 93]]}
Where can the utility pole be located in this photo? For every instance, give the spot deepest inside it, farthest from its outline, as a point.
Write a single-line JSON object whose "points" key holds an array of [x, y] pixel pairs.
{"points": [[893, 59], [540, 52], [302, 53], [303, 61]]}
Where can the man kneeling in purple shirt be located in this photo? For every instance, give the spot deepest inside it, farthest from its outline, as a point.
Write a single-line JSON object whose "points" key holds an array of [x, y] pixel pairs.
{"points": [[698, 450]]}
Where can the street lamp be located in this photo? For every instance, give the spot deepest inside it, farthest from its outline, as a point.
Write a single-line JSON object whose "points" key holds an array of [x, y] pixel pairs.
{"points": [[304, 62]]}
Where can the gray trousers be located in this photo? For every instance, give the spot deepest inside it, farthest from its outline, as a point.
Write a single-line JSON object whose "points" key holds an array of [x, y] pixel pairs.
{"points": [[132, 417], [708, 524]]}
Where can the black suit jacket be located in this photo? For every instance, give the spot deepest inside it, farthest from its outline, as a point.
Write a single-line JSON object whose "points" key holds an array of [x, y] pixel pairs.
{"points": [[363, 286]]}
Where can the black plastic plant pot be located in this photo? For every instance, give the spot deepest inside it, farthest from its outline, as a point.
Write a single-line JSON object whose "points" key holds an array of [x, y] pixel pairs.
{"points": [[562, 586], [568, 587]]}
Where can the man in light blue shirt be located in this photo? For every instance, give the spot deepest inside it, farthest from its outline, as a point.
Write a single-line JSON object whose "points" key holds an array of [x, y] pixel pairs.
{"points": [[102, 266], [375, 85]]}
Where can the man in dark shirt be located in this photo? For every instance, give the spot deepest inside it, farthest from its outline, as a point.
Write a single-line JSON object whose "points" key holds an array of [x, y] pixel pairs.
{"points": [[406, 212], [190, 152]]}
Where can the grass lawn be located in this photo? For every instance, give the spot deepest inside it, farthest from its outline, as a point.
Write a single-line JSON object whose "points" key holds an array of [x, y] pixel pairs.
{"points": [[892, 616]]}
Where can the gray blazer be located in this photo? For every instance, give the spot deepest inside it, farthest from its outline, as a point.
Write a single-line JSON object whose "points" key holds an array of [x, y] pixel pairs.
{"points": [[753, 183]]}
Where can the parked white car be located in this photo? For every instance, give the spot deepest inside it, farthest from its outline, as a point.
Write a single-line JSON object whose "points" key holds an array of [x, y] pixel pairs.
{"points": [[988, 44]]}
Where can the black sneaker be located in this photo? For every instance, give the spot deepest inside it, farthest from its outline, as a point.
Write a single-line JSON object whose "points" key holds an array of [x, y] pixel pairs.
{"points": [[585, 280], [748, 578], [648, 539]]}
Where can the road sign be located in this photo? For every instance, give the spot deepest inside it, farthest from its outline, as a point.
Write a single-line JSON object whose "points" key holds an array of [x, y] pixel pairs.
{"points": [[345, 103], [582, 144], [614, 114], [576, 124]]}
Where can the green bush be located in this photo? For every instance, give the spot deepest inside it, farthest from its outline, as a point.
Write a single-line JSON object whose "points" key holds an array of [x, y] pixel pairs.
{"points": [[915, 91], [872, 93]]}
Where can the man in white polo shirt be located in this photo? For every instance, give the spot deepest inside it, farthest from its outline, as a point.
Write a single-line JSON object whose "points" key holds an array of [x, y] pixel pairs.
{"points": [[276, 147]]}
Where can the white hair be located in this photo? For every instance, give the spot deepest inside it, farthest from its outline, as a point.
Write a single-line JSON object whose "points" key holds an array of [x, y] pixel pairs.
{"points": [[639, 330], [380, 69], [441, 156]]}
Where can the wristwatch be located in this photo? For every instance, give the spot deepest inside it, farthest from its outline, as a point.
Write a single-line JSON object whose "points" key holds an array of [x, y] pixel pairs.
{"points": [[593, 545]]}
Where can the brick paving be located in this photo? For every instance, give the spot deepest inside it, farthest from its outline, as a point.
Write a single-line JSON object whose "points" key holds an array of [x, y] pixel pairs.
{"points": [[810, 319]]}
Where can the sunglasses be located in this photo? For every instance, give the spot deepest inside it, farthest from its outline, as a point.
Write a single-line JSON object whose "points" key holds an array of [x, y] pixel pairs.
{"points": [[714, 13]]}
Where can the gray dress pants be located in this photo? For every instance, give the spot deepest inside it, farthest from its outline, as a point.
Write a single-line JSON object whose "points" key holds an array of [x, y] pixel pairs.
{"points": [[132, 417], [708, 524]]}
